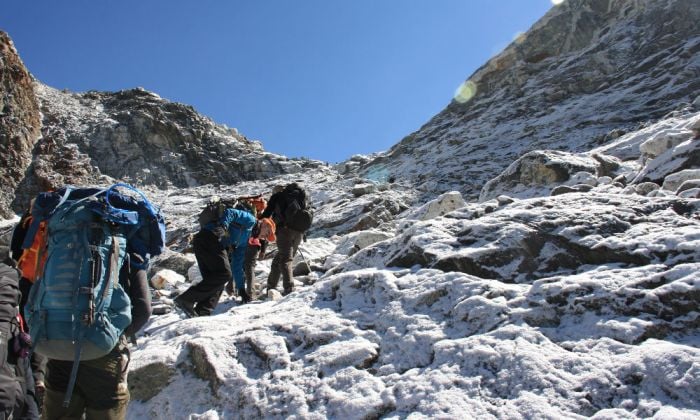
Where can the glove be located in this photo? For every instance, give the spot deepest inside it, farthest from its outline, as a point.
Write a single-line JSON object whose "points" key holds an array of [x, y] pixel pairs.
{"points": [[22, 344]]}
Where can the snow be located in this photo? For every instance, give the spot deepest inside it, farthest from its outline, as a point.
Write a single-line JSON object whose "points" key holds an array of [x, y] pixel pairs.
{"points": [[379, 329]]}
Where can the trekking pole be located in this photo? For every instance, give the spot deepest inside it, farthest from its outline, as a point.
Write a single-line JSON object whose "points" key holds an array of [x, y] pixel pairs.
{"points": [[304, 259], [270, 253]]}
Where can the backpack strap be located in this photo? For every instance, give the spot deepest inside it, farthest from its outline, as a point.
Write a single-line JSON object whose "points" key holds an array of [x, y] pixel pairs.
{"points": [[113, 269], [73, 373], [64, 198], [80, 333], [111, 282]]}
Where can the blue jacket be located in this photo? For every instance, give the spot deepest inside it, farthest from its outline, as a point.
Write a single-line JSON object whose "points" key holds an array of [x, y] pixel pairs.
{"points": [[239, 225]]}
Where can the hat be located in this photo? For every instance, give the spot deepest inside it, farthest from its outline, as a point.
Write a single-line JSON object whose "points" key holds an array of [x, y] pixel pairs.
{"points": [[267, 229]]}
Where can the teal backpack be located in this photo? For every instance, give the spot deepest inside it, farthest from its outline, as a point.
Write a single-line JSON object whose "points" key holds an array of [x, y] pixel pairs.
{"points": [[77, 309]]}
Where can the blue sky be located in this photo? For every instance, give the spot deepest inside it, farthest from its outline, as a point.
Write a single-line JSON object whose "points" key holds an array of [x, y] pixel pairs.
{"points": [[318, 78]]}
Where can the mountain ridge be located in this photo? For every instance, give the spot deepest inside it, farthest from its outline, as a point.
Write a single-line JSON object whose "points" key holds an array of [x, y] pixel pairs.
{"points": [[614, 70]]}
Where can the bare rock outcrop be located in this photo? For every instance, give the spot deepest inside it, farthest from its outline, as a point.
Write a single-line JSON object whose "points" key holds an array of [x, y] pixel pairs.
{"points": [[137, 136], [20, 122]]}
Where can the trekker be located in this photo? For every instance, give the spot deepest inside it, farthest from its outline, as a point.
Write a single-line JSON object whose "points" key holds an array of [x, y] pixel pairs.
{"points": [[285, 205], [17, 392], [263, 232], [90, 293], [101, 390], [219, 247], [26, 262]]}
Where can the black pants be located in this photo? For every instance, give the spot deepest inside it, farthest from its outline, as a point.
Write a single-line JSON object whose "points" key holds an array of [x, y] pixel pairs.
{"points": [[213, 263]]}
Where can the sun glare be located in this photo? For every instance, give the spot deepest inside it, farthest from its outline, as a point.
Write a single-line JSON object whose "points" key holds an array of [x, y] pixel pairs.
{"points": [[465, 92], [557, 2]]}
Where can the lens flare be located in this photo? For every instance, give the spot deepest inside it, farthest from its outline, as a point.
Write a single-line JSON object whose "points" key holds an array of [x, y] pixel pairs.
{"points": [[465, 92], [557, 2]]}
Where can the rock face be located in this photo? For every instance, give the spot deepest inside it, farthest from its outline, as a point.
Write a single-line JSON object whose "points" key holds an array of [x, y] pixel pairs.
{"points": [[136, 136], [19, 121], [597, 67], [49, 138]]}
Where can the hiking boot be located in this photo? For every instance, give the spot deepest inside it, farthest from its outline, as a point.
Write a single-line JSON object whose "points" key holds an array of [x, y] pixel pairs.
{"points": [[185, 306], [202, 312], [287, 291], [245, 296]]}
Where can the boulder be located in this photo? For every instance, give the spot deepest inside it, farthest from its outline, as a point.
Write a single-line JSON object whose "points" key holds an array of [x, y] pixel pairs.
{"points": [[662, 141], [355, 241], [673, 181], [690, 193], [646, 187], [362, 189], [165, 278], [537, 172], [194, 276], [203, 364], [689, 184], [440, 206], [564, 189], [683, 157], [178, 262], [145, 382]]}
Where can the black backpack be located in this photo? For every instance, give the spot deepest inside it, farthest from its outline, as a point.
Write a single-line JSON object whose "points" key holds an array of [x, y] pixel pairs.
{"points": [[214, 210], [297, 214], [14, 347]]}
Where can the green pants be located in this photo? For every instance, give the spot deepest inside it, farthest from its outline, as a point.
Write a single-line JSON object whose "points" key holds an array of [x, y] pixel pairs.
{"points": [[100, 392]]}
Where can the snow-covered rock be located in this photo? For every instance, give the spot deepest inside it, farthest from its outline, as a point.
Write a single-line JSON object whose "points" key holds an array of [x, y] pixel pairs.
{"points": [[537, 238], [194, 276], [673, 181], [440, 206], [165, 278], [537, 171], [662, 141]]}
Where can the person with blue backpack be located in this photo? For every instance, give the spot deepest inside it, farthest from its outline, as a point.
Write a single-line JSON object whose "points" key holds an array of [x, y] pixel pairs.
{"points": [[101, 390], [219, 247], [90, 293]]}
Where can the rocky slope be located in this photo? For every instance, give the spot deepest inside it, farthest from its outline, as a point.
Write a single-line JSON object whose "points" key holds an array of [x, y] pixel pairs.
{"points": [[569, 302], [20, 122], [569, 290], [49, 138], [585, 73], [138, 137]]}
